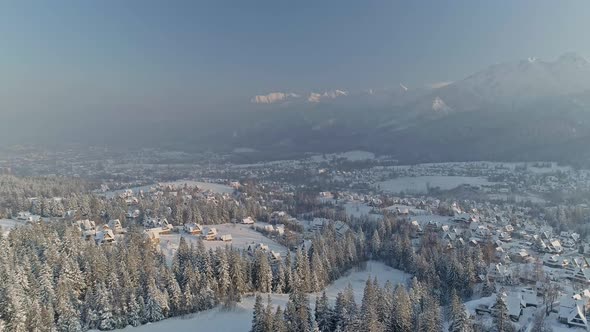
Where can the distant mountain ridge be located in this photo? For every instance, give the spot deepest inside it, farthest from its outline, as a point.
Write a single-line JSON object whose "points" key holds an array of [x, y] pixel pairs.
{"points": [[528, 109], [523, 110]]}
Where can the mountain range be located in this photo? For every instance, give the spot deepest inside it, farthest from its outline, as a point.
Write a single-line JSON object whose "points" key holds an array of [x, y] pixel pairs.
{"points": [[524, 110]]}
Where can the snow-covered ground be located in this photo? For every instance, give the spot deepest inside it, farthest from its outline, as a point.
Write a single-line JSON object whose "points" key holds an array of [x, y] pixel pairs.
{"points": [[419, 184], [242, 235], [356, 155], [411, 209], [240, 318], [8, 224], [425, 218], [358, 209], [214, 187], [357, 279], [518, 198]]}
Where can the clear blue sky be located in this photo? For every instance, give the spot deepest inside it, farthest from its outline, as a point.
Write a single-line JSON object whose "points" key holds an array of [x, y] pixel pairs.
{"points": [[200, 54]]}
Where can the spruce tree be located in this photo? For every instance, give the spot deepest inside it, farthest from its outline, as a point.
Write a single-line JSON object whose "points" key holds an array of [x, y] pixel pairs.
{"points": [[258, 315], [501, 320], [401, 318], [324, 315], [369, 317], [460, 321]]}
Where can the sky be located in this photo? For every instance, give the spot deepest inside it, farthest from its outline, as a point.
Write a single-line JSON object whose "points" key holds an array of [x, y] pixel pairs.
{"points": [[201, 55]]}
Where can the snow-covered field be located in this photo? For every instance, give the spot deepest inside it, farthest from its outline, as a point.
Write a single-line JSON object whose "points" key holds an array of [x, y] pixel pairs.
{"points": [[356, 155], [411, 209], [242, 237], [357, 279], [518, 198], [419, 184], [240, 318], [8, 224], [214, 187], [425, 218], [359, 209]]}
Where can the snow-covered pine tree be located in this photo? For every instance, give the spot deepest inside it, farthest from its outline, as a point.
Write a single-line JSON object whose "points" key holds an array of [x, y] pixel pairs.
{"points": [[105, 311], [258, 315], [279, 283], [279, 321], [369, 317], [346, 309], [401, 317], [268, 320], [134, 311], [153, 307], [460, 321], [324, 314], [501, 320]]}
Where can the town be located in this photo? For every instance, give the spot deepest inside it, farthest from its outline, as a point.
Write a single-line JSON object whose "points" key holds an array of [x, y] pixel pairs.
{"points": [[520, 219]]}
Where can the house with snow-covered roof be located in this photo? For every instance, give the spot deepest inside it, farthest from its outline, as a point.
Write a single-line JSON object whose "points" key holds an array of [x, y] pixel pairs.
{"points": [[158, 223], [554, 246], [104, 236], [581, 275], [209, 234], [514, 304], [193, 228], [115, 225], [226, 238], [275, 256], [257, 246], [152, 235], [499, 272], [416, 228], [529, 297], [87, 227], [572, 310]]}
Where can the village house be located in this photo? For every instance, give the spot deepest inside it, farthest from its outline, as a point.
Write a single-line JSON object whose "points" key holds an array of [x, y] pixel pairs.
{"points": [[116, 226], [521, 256], [248, 221], [105, 235], [574, 265], [161, 223], [210, 234], [279, 229], [275, 256], [572, 310], [433, 225], [499, 272], [505, 237], [416, 229], [554, 261], [554, 246], [277, 215], [87, 227], [529, 297], [28, 217], [193, 228], [582, 275], [226, 238], [514, 304], [318, 224], [152, 235], [257, 246]]}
